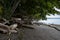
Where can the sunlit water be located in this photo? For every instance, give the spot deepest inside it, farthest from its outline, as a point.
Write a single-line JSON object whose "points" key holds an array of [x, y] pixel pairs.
{"points": [[51, 21]]}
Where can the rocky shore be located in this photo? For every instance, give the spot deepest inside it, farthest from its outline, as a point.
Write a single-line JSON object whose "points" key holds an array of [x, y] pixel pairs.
{"points": [[40, 32]]}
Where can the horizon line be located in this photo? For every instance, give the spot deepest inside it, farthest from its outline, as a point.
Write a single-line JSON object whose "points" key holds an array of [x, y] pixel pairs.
{"points": [[53, 18]]}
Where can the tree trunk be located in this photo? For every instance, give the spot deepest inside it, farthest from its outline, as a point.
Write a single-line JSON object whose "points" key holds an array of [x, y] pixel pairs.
{"points": [[15, 5]]}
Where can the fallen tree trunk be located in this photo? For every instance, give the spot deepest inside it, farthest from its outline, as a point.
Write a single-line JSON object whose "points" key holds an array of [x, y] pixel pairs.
{"points": [[4, 28], [27, 26], [22, 23], [3, 21]]}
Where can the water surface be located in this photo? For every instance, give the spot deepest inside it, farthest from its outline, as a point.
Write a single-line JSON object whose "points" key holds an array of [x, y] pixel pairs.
{"points": [[51, 21]]}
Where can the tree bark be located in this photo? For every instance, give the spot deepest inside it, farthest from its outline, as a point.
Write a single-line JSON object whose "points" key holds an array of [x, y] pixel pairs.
{"points": [[15, 5], [4, 28]]}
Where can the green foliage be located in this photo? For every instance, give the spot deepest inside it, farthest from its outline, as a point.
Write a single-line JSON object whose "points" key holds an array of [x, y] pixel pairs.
{"points": [[36, 9], [1, 9]]}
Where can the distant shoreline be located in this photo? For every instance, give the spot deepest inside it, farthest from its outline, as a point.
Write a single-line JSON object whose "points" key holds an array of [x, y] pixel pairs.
{"points": [[42, 23], [51, 21], [53, 18]]}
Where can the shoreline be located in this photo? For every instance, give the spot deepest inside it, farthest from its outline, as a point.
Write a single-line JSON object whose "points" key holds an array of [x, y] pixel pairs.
{"points": [[42, 32], [42, 23]]}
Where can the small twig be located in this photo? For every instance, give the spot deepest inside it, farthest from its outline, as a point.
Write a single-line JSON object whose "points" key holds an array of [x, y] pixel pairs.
{"points": [[9, 35]]}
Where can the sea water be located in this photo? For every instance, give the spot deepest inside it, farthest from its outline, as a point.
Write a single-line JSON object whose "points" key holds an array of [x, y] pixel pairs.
{"points": [[51, 21]]}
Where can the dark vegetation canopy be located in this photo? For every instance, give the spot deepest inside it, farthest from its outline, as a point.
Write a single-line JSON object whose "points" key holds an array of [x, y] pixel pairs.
{"points": [[32, 9]]}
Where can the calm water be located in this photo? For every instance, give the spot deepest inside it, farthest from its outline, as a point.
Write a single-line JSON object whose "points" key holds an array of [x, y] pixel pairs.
{"points": [[51, 21]]}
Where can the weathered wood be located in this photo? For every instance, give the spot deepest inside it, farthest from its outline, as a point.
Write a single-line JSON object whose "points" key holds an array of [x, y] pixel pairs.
{"points": [[5, 28], [14, 26], [21, 22], [28, 26], [3, 21]]}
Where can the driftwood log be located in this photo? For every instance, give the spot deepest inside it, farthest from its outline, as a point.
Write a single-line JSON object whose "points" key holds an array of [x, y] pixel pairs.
{"points": [[13, 25], [22, 23], [3, 21], [5, 28]]}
